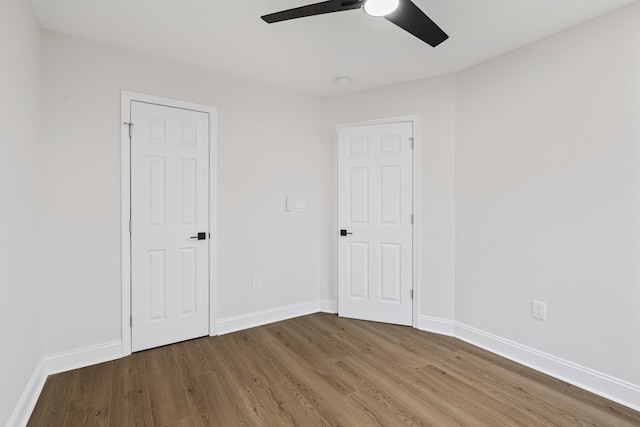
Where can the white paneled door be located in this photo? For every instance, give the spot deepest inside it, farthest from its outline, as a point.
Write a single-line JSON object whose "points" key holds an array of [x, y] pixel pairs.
{"points": [[169, 225], [375, 214]]}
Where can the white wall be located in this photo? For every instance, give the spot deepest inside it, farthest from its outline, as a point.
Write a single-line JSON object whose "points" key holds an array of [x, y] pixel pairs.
{"points": [[433, 102], [20, 264], [268, 147], [548, 195]]}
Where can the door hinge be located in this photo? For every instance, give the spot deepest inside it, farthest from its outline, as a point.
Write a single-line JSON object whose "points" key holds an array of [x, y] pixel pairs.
{"points": [[130, 126], [130, 227], [130, 321], [411, 219], [412, 143], [411, 294]]}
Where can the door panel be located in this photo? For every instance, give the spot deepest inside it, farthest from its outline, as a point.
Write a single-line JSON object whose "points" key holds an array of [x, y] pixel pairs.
{"points": [[169, 205], [359, 195], [188, 283], [390, 272], [358, 265], [156, 285], [375, 193], [390, 193]]}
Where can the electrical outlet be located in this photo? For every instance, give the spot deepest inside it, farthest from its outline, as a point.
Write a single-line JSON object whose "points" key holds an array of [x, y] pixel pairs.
{"points": [[256, 282], [539, 310]]}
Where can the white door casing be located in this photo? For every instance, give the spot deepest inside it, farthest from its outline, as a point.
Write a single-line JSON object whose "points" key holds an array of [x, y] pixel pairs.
{"points": [[375, 205], [169, 207]]}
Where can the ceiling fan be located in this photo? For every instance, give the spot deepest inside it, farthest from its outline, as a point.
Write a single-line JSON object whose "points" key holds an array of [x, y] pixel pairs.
{"points": [[403, 13]]}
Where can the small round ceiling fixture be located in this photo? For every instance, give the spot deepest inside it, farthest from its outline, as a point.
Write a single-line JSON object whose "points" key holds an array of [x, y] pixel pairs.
{"points": [[380, 7], [342, 81]]}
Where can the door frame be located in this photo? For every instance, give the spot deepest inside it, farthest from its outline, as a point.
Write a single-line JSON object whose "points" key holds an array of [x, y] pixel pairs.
{"points": [[125, 172], [416, 191]]}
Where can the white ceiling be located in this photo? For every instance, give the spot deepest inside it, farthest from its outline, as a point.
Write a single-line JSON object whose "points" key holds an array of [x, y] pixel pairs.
{"points": [[308, 54]]}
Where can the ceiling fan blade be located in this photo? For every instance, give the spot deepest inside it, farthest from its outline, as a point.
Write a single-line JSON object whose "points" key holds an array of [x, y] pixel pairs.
{"points": [[313, 9], [410, 18]]}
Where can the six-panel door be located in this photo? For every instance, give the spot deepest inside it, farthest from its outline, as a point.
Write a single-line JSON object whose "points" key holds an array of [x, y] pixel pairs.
{"points": [[169, 207], [375, 193]]}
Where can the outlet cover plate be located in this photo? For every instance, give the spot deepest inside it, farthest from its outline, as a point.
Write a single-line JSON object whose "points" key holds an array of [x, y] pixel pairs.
{"points": [[539, 310], [256, 282]]}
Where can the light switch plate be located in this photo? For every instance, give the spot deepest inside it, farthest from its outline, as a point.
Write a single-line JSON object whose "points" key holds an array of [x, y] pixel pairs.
{"points": [[301, 206], [289, 204]]}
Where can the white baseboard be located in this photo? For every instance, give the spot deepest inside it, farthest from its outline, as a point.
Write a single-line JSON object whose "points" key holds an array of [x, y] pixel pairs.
{"points": [[23, 409], [328, 306], [596, 382], [436, 325], [82, 357], [54, 364], [251, 320]]}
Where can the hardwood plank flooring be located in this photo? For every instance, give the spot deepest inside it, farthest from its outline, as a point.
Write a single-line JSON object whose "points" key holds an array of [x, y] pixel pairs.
{"points": [[53, 403], [319, 370], [130, 393]]}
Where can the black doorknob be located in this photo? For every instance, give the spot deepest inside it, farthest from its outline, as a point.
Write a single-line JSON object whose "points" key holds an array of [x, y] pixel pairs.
{"points": [[344, 232], [200, 236]]}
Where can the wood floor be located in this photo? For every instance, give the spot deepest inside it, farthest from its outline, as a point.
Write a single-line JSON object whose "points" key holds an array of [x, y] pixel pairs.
{"points": [[319, 370]]}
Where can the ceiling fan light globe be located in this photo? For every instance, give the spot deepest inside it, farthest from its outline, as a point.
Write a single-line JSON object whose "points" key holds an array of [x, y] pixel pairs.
{"points": [[380, 7]]}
